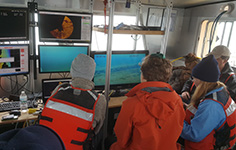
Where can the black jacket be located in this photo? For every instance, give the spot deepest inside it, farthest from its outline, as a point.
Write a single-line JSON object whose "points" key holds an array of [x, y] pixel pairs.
{"points": [[227, 77]]}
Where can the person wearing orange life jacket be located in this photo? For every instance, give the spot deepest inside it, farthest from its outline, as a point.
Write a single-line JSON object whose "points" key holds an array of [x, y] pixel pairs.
{"points": [[211, 116], [222, 55], [152, 116], [74, 111]]}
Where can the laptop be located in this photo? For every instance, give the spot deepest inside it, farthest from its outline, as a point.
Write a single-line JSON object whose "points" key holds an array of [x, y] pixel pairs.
{"points": [[48, 85]]}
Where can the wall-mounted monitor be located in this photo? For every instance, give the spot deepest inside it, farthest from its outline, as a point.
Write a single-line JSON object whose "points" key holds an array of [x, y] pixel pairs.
{"points": [[13, 24], [65, 26], [14, 60], [125, 68], [57, 58]]}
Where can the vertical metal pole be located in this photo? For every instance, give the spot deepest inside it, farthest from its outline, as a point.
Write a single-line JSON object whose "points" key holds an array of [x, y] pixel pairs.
{"points": [[137, 21], [91, 6], [111, 5], [33, 8], [167, 30], [109, 48], [142, 24]]}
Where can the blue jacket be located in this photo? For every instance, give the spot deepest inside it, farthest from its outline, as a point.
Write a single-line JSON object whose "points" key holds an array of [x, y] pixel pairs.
{"points": [[210, 115]]}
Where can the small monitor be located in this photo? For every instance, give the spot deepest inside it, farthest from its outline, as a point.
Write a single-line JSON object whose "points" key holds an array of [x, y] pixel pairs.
{"points": [[13, 24], [14, 60], [48, 85], [56, 58], [65, 26], [125, 68]]}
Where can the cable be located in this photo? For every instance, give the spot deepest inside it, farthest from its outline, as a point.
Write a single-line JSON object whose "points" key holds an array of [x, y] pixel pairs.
{"points": [[22, 86], [214, 27], [176, 59]]}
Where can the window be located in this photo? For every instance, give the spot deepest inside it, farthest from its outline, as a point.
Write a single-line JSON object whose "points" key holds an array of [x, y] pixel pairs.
{"points": [[225, 33], [119, 41]]}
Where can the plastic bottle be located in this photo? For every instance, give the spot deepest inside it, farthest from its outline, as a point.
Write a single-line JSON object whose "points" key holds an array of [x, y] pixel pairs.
{"points": [[23, 102]]}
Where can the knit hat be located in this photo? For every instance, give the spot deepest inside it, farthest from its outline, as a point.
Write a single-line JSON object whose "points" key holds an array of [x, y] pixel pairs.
{"points": [[207, 70], [83, 66], [34, 137], [219, 51]]}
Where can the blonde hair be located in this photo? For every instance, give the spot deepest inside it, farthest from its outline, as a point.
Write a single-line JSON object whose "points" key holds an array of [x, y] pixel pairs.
{"points": [[156, 69], [202, 89]]}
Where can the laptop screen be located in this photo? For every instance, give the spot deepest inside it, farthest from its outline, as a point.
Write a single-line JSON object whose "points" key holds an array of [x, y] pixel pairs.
{"points": [[48, 85]]}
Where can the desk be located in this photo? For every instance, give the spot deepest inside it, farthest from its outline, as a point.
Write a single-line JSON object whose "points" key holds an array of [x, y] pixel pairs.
{"points": [[24, 117], [116, 101]]}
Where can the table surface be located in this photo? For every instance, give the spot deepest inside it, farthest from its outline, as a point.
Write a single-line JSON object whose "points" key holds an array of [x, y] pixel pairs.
{"points": [[116, 101], [25, 116]]}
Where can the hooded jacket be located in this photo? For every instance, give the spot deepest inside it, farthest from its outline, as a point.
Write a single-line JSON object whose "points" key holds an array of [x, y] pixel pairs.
{"points": [[151, 118]]}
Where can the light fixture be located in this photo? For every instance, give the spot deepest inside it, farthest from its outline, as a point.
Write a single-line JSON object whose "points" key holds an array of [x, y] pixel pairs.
{"points": [[228, 7]]}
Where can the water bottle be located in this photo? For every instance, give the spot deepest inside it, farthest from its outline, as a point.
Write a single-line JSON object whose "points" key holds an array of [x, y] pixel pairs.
{"points": [[23, 102]]}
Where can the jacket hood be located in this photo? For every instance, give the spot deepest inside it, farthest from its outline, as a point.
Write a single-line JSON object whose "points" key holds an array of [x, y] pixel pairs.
{"points": [[159, 99]]}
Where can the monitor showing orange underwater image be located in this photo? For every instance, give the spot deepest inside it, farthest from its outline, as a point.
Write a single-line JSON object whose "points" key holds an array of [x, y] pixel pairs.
{"points": [[65, 26]]}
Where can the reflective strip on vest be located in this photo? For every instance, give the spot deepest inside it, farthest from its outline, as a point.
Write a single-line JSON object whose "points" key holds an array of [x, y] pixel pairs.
{"points": [[93, 95], [215, 96], [70, 110], [231, 108], [66, 88], [192, 109]]}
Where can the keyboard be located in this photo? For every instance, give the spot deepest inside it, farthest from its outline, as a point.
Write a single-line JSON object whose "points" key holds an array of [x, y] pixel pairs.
{"points": [[15, 105]]}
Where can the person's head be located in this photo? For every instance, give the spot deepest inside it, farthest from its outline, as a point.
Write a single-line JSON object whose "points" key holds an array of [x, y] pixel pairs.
{"points": [[155, 68], [222, 55], [206, 78], [191, 61], [83, 66]]}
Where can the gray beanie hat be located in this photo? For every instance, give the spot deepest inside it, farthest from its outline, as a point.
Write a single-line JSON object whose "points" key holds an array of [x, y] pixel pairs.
{"points": [[83, 66]]}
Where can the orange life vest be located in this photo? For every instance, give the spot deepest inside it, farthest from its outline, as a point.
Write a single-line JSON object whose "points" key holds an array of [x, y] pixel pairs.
{"points": [[222, 138], [70, 116]]}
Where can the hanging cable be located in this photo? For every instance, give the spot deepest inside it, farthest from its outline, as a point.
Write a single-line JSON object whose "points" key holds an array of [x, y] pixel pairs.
{"points": [[22, 86], [212, 33], [105, 14]]}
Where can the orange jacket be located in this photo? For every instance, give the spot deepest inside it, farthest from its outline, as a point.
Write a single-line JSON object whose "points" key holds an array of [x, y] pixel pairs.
{"points": [[151, 118]]}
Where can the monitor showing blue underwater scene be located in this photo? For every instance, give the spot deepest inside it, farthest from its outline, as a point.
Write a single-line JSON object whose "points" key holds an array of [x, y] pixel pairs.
{"points": [[56, 58], [125, 68]]}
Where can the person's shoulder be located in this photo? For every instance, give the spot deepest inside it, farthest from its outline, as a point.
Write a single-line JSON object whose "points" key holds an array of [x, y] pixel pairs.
{"points": [[131, 101], [102, 99]]}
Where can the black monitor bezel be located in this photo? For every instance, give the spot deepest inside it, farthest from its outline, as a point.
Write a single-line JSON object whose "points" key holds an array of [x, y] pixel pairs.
{"points": [[17, 38], [39, 66], [21, 73], [62, 13], [118, 86]]}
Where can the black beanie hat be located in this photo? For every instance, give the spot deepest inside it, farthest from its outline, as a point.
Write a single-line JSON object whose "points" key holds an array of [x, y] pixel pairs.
{"points": [[207, 70]]}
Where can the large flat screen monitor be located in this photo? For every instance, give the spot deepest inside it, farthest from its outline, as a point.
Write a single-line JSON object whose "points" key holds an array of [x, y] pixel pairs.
{"points": [[13, 24], [56, 58], [14, 60], [125, 68], [65, 26]]}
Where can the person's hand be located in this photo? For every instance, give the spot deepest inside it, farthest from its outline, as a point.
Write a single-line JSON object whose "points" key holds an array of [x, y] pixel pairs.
{"points": [[185, 95], [185, 105]]}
